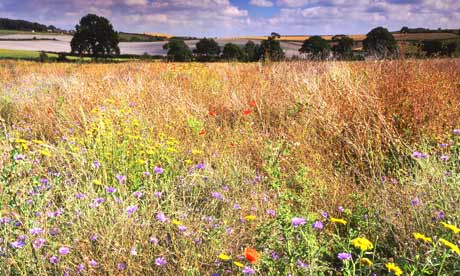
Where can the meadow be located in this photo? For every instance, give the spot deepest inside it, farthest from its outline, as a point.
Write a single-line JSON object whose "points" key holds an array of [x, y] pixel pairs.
{"points": [[289, 168]]}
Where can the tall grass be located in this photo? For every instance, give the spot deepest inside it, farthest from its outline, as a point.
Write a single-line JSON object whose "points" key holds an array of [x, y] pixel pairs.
{"points": [[94, 155]]}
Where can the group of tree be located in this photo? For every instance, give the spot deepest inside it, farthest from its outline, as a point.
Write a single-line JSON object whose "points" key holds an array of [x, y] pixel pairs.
{"points": [[23, 25], [207, 49], [433, 48]]}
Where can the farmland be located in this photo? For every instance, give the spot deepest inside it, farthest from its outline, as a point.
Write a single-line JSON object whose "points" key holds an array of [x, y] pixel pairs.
{"points": [[301, 168]]}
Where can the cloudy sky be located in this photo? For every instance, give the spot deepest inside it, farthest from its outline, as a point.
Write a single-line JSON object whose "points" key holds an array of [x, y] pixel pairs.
{"points": [[242, 17]]}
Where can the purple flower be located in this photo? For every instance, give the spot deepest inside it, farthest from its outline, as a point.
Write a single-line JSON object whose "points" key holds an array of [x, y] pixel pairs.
{"points": [[110, 190], [96, 164], [158, 170], [302, 264], [80, 196], [318, 225], [324, 214], [121, 178], [38, 243], [121, 266], [341, 209], [248, 271], [271, 213], [182, 228], [97, 202], [153, 240], [80, 268], [236, 206], [64, 250], [19, 157], [417, 154], [444, 157], [133, 251], [18, 244], [216, 195], [147, 174], [138, 194], [415, 201], [440, 214], [443, 145], [160, 261], [36, 231], [298, 221], [200, 166], [275, 256], [93, 263], [54, 231], [54, 260], [93, 237], [131, 209], [344, 256], [157, 194], [456, 131], [161, 217]]}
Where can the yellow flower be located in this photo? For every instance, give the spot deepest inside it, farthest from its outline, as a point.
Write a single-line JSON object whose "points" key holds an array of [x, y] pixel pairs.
{"points": [[176, 222], [224, 257], [392, 267], [366, 261], [97, 182], [422, 237], [45, 153], [39, 142], [362, 243], [451, 227], [336, 220], [450, 245], [141, 161], [196, 152], [250, 218], [238, 264], [21, 141]]}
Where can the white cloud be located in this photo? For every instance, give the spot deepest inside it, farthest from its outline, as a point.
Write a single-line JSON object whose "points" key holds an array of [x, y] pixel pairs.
{"points": [[261, 3]]}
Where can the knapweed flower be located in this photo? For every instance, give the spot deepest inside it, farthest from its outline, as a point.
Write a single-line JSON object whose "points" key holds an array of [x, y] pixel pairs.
{"points": [[337, 220], [158, 170], [110, 190], [422, 237], [223, 257], [18, 244], [392, 267], [450, 245], [362, 243], [296, 221], [318, 225], [161, 217], [248, 271], [366, 261], [64, 250], [251, 255], [38, 243], [451, 227], [54, 259], [200, 166], [131, 209], [160, 261], [182, 228], [36, 231], [344, 256]]}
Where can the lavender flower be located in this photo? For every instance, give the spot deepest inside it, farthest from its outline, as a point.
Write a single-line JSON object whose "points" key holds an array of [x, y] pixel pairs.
{"points": [[318, 225], [160, 261], [18, 244], [93, 263], [216, 195], [248, 271], [200, 166], [110, 190], [80, 268], [161, 217], [38, 243], [54, 260], [64, 250], [36, 231], [158, 170], [415, 201], [157, 194], [131, 209], [236, 206]]}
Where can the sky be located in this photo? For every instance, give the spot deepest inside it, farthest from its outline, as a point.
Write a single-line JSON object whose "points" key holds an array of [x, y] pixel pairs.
{"points": [[227, 18]]}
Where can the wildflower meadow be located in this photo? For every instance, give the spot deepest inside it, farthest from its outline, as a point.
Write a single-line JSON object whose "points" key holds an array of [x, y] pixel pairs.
{"points": [[289, 168]]}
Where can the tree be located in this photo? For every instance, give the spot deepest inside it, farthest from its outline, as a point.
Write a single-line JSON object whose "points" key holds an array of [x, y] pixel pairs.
{"points": [[450, 47], [316, 46], [95, 36], [432, 47], [271, 48], [207, 49], [178, 50], [343, 47], [252, 51], [232, 52], [380, 43]]}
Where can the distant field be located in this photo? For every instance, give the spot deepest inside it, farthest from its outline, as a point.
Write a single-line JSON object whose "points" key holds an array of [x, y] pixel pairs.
{"points": [[21, 54]]}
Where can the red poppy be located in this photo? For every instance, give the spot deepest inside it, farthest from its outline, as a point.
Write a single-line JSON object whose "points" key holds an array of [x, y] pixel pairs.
{"points": [[202, 132], [247, 112], [253, 103], [232, 145], [251, 255], [212, 113]]}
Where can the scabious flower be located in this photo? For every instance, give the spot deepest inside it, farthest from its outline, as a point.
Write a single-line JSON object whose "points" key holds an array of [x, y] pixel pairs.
{"points": [[344, 256], [392, 267], [298, 221], [18, 244], [422, 237], [236, 206], [248, 271], [131, 209], [160, 261], [110, 190], [216, 195], [251, 255], [318, 225], [161, 217], [38, 243], [54, 259], [341, 209], [158, 170], [36, 231], [182, 228], [200, 166], [450, 245], [80, 268], [362, 243], [64, 250]]}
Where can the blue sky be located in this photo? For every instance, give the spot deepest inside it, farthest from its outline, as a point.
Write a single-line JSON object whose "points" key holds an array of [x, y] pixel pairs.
{"points": [[242, 17]]}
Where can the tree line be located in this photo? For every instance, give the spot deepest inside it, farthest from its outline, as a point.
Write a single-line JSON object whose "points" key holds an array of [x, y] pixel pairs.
{"points": [[23, 25], [95, 36]]}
